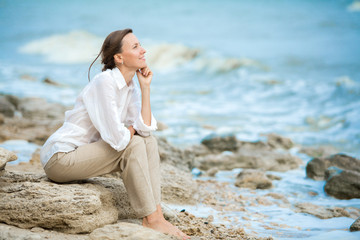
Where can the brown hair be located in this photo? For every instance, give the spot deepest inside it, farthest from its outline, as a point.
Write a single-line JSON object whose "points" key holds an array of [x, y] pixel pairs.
{"points": [[111, 46]]}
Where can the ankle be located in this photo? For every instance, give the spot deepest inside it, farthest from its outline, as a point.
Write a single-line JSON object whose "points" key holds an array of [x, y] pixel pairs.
{"points": [[153, 218]]}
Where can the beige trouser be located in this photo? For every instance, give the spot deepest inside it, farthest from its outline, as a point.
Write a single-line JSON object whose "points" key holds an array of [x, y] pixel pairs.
{"points": [[138, 163]]}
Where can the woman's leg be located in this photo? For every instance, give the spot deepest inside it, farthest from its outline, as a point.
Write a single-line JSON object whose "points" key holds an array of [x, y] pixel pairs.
{"points": [[99, 158], [152, 152], [86, 161], [135, 174]]}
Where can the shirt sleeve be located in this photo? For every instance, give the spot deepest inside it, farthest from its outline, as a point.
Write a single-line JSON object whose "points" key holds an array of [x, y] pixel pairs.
{"points": [[135, 117], [100, 101]]}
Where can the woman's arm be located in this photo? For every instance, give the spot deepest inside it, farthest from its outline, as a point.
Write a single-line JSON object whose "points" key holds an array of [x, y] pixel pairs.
{"points": [[145, 76]]}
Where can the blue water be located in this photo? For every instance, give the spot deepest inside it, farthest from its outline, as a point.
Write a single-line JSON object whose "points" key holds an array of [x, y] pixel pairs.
{"points": [[305, 48], [303, 79]]}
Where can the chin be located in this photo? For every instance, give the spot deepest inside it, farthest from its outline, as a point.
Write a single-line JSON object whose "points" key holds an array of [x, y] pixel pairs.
{"points": [[143, 65]]}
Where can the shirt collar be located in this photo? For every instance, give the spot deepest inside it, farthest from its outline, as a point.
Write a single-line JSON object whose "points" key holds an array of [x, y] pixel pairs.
{"points": [[120, 80]]}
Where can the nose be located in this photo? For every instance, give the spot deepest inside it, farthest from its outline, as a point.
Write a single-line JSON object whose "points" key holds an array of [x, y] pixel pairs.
{"points": [[143, 50]]}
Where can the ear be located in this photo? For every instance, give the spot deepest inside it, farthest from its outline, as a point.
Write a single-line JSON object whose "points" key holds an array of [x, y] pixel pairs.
{"points": [[118, 58]]}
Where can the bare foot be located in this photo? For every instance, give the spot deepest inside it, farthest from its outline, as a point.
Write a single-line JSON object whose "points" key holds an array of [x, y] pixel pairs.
{"points": [[164, 226]]}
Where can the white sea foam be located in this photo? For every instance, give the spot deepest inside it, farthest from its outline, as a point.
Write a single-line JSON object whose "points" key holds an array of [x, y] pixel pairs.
{"points": [[223, 64], [354, 6], [169, 56], [69, 48], [345, 81], [82, 47]]}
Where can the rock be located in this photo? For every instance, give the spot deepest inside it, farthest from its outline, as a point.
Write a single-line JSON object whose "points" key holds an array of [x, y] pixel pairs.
{"points": [[127, 231], [174, 156], [6, 107], [264, 201], [212, 172], [161, 126], [277, 141], [8, 232], [2, 118], [33, 165], [30, 200], [39, 108], [320, 211], [344, 185], [273, 177], [249, 155], [253, 179], [332, 171], [51, 82], [199, 227], [32, 130], [316, 168], [27, 77], [320, 151], [355, 226], [177, 186], [5, 157], [220, 143]]}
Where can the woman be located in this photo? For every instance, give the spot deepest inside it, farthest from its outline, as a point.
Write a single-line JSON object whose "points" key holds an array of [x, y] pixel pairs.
{"points": [[109, 129]]}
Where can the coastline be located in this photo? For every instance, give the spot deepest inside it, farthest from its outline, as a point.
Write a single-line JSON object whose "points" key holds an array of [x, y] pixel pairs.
{"points": [[34, 120]]}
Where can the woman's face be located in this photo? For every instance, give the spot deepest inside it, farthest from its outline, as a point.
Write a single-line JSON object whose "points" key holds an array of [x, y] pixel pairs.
{"points": [[133, 54]]}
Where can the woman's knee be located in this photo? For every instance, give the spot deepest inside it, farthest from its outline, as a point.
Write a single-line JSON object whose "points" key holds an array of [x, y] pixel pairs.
{"points": [[136, 148], [151, 142]]}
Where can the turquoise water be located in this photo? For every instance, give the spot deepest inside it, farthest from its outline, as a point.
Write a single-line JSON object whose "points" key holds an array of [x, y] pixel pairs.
{"points": [[290, 67], [304, 83]]}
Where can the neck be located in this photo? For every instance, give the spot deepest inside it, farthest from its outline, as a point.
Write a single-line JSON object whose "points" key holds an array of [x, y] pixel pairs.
{"points": [[127, 73]]}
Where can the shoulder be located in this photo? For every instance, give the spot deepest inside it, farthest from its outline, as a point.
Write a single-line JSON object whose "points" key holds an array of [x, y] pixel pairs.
{"points": [[103, 77]]}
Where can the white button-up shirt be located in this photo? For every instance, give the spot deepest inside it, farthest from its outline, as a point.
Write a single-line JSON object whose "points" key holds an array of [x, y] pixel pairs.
{"points": [[103, 110]]}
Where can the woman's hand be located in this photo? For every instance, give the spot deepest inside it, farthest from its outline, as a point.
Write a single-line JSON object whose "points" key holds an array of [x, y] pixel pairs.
{"points": [[144, 76], [132, 131]]}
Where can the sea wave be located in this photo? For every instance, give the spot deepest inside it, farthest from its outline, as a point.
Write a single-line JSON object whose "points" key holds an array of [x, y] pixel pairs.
{"points": [[82, 47], [69, 48], [354, 7]]}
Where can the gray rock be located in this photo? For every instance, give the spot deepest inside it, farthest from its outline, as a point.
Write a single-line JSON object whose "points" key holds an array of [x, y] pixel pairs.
{"points": [[38, 108], [249, 156], [220, 143], [30, 200], [318, 151], [177, 186], [6, 107], [174, 156], [332, 171], [355, 226], [127, 231], [320, 211], [344, 185], [5, 157], [277, 141], [316, 168], [8, 232], [253, 179]]}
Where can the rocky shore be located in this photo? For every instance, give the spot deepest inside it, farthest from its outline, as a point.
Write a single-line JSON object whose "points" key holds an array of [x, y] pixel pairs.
{"points": [[33, 207]]}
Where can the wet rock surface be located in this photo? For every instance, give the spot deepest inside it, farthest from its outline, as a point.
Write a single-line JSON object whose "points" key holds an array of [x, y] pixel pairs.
{"points": [[344, 184], [316, 168], [355, 226], [320, 211], [98, 207], [253, 179]]}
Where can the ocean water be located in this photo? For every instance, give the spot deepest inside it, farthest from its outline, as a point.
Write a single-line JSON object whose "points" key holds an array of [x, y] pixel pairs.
{"points": [[242, 67]]}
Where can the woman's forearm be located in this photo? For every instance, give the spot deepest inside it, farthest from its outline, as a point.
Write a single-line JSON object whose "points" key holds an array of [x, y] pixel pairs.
{"points": [[145, 105]]}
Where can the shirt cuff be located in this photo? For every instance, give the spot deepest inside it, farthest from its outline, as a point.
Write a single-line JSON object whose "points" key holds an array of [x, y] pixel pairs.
{"points": [[141, 127], [123, 143]]}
